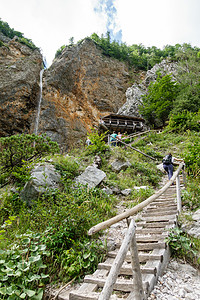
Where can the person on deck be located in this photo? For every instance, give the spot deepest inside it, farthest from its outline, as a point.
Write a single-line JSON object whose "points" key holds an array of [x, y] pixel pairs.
{"points": [[113, 139], [119, 136]]}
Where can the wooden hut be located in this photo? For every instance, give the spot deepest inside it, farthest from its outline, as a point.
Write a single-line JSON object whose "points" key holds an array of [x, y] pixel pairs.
{"points": [[122, 123]]}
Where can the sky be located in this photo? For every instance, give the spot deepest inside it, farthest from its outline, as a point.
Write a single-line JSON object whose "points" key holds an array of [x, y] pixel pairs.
{"points": [[51, 23]]}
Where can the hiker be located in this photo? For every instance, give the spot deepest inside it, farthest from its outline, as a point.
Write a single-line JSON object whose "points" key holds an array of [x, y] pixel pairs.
{"points": [[119, 137], [168, 164], [113, 139]]}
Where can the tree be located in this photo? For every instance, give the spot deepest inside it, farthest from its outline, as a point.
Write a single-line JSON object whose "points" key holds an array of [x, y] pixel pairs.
{"points": [[18, 152], [189, 80], [159, 100]]}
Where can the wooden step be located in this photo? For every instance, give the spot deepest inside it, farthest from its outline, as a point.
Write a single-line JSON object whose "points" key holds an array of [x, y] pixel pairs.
{"points": [[142, 256], [148, 246], [159, 218], [159, 213], [150, 238], [127, 269]]}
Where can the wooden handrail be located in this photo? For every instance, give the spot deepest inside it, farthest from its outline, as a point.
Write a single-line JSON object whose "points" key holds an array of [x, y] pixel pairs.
{"points": [[129, 241], [135, 149], [132, 211]]}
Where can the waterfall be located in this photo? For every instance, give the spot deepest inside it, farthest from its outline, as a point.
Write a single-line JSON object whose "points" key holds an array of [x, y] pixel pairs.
{"points": [[39, 104]]}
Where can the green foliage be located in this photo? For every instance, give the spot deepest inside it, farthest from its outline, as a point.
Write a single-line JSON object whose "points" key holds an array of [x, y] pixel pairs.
{"points": [[6, 224], [189, 79], [184, 121], [192, 158], [137, 196], [182, 246], [11, 33], [22, 268], [81, 258], [138, 55], [19, 152], [98, 145], [158, 102], [191, 195], [59, 51], [67, 166]]}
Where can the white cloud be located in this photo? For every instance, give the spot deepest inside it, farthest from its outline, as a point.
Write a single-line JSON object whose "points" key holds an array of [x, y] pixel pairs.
{"points": [[50, 24], [159, 22]]}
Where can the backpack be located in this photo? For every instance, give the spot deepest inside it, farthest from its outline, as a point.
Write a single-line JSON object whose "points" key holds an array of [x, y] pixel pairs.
{"points": [[167, 160]]}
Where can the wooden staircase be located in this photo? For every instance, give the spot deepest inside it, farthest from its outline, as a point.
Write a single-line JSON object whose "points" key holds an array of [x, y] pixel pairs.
{"points": [[152, 229]]}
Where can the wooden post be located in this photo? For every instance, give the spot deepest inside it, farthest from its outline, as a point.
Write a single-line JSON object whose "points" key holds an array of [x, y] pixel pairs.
{"points": [[138, 292], [114, 271], [178, 193], [184, 177], [109, 139]]}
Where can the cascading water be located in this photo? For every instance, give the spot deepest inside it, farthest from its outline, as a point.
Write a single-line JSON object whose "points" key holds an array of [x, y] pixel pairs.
{"points": [[39, 104]]}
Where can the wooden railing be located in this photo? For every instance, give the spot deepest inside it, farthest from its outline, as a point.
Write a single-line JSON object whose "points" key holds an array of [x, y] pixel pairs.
{"points": [[134, 210], [130, 241]]}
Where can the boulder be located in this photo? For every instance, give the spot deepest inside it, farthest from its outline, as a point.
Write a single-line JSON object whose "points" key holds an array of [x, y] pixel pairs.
{"points": [[118, 165], [193, 227], [91, 177], [43, 178]]}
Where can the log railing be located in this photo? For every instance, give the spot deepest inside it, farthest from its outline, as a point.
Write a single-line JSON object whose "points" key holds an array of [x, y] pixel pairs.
{"points": [[137, 208], [130, 241]]}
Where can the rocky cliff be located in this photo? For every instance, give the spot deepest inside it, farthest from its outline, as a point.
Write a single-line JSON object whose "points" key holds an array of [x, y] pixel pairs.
{"points": [[81, 86], [19, 86]]}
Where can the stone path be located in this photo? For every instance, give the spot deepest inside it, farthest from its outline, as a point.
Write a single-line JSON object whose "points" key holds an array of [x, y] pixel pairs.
{"points": [[180, 281]]}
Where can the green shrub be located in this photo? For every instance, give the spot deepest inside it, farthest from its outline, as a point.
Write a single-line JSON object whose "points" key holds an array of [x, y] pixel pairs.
{"points": [[192, 158], [98, 145], [80, 259], [183, 121], [191, 195], [67, 166], [19, 152], [184, 247]]}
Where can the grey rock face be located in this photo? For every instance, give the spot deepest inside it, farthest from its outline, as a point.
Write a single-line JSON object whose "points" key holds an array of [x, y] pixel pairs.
{"points": [[135, 93], [44, 178], [91, 177], [133, 100]]}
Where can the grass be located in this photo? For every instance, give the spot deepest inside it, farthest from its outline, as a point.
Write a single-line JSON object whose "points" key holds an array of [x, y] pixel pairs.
{"points": [[65, 215]]}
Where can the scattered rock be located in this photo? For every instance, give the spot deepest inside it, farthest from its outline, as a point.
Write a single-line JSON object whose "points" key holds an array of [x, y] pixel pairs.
{"points": [[91, 177], [126, 192], [119, 165], [44, 177], [180, 281]]}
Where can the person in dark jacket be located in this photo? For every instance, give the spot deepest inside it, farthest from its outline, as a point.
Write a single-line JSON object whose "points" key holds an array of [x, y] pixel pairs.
{"points": [[168, 164]]}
